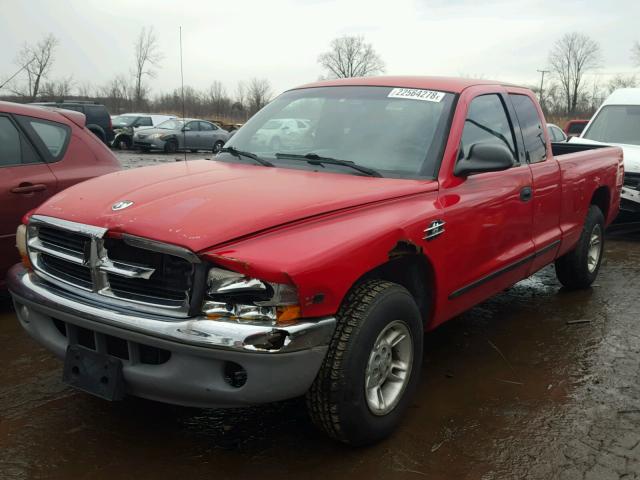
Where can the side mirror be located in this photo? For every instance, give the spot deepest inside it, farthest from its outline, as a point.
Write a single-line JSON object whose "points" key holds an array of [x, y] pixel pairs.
{"points": [[484, 157]]}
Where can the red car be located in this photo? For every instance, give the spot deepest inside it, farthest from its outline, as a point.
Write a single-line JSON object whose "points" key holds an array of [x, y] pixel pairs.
{"points": [[42, 152], [313, 270], [574, 128]]}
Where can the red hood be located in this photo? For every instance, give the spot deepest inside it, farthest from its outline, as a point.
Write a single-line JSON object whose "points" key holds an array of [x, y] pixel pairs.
{"points": [[200, 204]]}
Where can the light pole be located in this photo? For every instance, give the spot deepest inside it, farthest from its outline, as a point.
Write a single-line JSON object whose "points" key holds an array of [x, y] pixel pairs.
{"points": [[542, 72]]}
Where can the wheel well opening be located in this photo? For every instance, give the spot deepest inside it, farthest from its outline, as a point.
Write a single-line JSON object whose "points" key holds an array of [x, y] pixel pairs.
{"points": [[601, 200], [407, 266]]}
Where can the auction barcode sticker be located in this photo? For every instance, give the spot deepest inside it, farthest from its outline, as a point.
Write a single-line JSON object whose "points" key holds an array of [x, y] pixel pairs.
{"points": [[417, 94]]}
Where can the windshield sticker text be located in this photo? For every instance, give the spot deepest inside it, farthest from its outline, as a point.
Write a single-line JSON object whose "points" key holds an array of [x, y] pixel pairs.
{"points": [[417, 94]]}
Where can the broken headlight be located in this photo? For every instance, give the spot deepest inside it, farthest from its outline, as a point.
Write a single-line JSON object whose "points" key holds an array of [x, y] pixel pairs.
{"points": [[235, 296]]}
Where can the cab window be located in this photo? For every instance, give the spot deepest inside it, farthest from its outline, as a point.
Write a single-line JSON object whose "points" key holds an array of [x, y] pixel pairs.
{"points": [[144, 122], [488, 123], [535, 145]]}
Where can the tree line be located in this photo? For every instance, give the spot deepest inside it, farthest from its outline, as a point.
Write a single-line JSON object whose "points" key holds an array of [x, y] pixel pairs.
{"points": [[572, 89]]}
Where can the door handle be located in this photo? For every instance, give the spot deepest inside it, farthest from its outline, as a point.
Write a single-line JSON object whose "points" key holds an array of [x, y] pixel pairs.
{"points": [[29, 188], [526, 194]]}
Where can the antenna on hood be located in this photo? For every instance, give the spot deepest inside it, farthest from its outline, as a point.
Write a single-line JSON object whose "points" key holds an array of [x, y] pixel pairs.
{"points": [[184, 135]]}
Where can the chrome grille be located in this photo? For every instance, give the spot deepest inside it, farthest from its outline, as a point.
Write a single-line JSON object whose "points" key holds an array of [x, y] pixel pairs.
{"points": [[128, 271]]}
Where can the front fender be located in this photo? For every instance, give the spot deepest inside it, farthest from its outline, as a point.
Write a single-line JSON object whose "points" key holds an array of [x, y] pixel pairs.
{"points": [[324, 257]]}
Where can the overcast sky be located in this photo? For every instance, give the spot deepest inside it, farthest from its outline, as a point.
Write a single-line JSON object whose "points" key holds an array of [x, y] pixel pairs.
{"points": [[280, 40]]}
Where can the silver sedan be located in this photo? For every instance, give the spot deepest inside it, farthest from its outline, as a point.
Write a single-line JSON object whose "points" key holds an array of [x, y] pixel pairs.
{"points": [[182, 134]]}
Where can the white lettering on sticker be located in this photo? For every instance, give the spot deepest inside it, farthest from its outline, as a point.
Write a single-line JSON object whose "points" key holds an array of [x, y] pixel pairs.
{"points": [[417, 94]]}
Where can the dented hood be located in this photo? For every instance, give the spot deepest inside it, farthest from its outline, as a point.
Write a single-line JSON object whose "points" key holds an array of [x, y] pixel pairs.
{"points": [[200, 204]]}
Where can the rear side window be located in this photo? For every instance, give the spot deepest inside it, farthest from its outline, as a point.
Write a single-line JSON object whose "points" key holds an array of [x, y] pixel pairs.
{"points": [[53, 136], [14, 149], [531, 126], [487, 122], [205, 126], [96, 114]]}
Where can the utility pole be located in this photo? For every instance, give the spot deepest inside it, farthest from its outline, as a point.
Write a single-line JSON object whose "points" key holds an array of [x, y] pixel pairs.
{"points": [[542, 72]]}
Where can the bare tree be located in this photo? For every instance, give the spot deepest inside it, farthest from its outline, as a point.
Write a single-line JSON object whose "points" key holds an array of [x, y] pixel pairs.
{"points": [[621, 81], [85, 90], [59, 88], [117, 94], [147, 56], [258, 94], [635, 53], [37, 60], [351, 57], [570, 58]]}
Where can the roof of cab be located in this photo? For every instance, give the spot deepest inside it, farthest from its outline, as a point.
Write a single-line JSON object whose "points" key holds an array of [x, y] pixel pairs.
{"points": [[624, 96], [445, 84]]}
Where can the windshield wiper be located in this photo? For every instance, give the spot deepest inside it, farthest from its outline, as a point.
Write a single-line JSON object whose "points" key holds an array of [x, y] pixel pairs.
{"points": [[241, 153], [315, 159]]}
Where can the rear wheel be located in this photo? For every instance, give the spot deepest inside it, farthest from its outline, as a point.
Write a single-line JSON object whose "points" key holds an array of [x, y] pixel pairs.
{"points": [[218, 146], [579, 267], [372, 366]]}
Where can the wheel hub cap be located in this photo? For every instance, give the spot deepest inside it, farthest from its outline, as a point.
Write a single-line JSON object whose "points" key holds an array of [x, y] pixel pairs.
{"points": [[595, 248], [389, 368]]}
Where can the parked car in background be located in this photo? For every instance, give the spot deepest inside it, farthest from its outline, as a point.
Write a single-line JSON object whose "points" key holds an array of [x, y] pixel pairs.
{"points": [[42, 151], [98, 118], [555, 133], [281, 132], [231, 283], [125, 125], [574, 128], [617, 122], [182, 134]]}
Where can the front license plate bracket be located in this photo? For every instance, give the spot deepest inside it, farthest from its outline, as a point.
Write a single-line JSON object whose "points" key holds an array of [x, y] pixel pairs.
{"points": [[93, 372]]}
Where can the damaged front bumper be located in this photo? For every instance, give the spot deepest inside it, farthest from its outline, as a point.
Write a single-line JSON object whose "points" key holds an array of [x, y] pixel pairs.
{"points": [[193, 361]]}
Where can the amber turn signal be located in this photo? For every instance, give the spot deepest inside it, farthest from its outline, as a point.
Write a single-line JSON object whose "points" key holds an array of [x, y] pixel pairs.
{"points": [[21, 244]]}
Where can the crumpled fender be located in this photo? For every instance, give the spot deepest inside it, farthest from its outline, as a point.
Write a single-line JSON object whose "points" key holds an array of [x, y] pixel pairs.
{"points": [[324, 257]]}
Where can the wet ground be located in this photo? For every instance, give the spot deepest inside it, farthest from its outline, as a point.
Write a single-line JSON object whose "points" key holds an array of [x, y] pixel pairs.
{"points": [[536, 383]]}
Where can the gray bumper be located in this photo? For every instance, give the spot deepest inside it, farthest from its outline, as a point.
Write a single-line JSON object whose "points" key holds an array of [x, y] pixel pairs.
{"points": [[280, 363]]}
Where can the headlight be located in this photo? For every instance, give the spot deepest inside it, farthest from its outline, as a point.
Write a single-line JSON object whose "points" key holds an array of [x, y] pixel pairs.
{"points": [[156, 135], [235, 296]]}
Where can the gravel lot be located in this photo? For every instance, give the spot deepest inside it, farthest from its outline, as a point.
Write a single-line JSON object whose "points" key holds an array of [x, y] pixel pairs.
{"points": [[536, 383]]}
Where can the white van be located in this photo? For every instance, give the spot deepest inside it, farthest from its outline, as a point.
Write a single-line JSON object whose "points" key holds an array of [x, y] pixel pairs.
{"points": [[617, 122]]}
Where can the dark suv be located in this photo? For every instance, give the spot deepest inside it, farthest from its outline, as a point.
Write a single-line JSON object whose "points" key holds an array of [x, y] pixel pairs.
{"points": [[98, 118]]}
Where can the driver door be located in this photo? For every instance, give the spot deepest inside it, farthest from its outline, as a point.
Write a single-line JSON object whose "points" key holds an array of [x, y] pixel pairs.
{"points": [[488, 214]]}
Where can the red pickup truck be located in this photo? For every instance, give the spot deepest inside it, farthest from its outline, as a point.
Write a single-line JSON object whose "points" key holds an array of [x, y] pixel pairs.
{"points": [[313, 270]]}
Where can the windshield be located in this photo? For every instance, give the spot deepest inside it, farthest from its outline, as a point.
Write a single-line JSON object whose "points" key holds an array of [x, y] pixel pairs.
{"points": [[616, 124], [123, 121], [172, 124], [397, 132]]}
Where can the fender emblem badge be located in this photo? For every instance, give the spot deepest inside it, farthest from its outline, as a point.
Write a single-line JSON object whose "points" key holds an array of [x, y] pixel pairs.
{"points": [[121, 205], [434, 229]]}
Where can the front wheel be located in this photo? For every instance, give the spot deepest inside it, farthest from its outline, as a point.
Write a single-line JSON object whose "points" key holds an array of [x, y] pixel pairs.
{"points": [[218, 146], [372, 366], [579, 267], [170, 146]]}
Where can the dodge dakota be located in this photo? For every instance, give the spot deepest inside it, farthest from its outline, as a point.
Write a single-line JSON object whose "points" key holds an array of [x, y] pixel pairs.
{"points": [[314, 269]]}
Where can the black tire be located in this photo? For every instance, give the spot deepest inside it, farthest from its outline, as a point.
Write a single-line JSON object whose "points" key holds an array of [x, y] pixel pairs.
{"points": [[170, 146], [99, 134], [218, 146], [336, 401], [124, 143], [573, 268], [193, 151], [145, 150]]}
